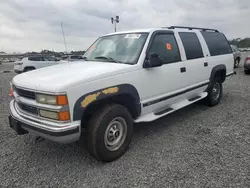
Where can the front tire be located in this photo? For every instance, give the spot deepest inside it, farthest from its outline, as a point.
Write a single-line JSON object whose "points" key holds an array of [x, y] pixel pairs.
{"points": [[109, 132], [214, 92], [247, 71]]}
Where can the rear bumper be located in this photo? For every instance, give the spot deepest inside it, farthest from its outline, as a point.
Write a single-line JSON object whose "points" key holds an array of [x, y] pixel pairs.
{"points": [[18, 69], [63, 133]]}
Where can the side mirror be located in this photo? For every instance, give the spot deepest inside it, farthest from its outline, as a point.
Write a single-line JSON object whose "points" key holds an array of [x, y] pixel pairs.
{"points": [[153, 60]]}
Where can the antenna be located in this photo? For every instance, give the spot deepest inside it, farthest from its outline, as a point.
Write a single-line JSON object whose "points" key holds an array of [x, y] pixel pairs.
{"points": [[64, 38]]}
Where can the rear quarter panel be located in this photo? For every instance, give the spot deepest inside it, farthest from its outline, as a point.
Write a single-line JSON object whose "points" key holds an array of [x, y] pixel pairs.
{"points": [[227, 60]]}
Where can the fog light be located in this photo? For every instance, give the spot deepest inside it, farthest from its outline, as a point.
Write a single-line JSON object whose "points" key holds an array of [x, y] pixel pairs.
{"points": [[49, 114]]}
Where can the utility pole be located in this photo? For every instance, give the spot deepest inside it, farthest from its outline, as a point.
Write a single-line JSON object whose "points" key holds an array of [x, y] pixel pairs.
{"points": [[114, 21]]}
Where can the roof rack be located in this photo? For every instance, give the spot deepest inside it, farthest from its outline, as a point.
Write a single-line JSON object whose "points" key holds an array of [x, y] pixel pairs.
{"points": [[191, 28]]}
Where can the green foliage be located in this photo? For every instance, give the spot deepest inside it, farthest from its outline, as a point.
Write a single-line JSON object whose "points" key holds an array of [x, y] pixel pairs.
{"points": [[241, 43]]}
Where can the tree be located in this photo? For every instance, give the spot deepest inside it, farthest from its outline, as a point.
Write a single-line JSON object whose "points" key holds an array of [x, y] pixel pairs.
{"points": [[240, 43]]}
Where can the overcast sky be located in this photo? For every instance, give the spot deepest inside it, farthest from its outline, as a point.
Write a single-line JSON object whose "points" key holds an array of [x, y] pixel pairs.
{"points": [[33, 25]]}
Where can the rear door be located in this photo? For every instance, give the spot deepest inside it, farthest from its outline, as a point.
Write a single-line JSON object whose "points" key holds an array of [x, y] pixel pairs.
{"points": [[196, 62]]}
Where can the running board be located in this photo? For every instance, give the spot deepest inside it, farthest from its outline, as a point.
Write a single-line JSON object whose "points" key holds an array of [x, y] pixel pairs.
{"points": [[165, 111]]}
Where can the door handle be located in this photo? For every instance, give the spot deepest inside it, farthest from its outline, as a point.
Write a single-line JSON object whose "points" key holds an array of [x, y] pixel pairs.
{"points": [[183, 69], [205, 64]]}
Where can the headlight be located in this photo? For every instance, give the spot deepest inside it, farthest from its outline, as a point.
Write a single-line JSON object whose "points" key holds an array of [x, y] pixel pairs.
{"points": [[52, 99], [46, 99]]}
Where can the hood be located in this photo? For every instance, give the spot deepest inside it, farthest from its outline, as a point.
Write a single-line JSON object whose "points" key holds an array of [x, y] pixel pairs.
{"points": [[57, 78]]}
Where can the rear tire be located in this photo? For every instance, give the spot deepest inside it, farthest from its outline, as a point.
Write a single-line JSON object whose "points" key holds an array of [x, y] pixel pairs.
{"points": [[109, 132], [247, 71], [214, 92]]}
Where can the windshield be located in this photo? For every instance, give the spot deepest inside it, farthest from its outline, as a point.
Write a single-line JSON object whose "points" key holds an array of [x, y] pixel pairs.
{"points": [[120, 48]]}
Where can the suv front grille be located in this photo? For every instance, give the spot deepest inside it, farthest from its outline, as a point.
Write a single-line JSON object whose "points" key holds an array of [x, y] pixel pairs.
{"points": [[27, 108], [25, 93]]}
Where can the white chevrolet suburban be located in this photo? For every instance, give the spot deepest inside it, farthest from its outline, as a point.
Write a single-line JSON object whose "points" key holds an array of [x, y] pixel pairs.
{"points": [[125, 78]]}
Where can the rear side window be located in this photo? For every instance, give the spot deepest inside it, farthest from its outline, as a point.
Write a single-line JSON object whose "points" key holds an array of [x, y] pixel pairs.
{"points": [[191, 45], [217, 43], [166, 47]]}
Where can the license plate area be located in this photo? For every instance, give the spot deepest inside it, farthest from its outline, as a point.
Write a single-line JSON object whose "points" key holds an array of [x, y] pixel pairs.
{"points": [[16, 126]]}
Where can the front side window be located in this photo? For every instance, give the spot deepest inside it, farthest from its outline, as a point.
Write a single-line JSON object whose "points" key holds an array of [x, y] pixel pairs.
{"points": [[166, 47], [120, 48]]}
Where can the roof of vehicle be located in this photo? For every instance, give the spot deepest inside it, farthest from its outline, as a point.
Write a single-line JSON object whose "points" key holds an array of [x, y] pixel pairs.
{"points": [[133, 31], [147, 30]]}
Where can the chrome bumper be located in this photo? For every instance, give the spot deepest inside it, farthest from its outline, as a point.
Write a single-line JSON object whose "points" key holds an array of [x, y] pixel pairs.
{"points": [[57, 132]]}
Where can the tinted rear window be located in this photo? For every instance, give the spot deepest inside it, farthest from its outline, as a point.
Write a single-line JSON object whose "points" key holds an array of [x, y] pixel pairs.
{"points": [[217, 43], [191, 45]]}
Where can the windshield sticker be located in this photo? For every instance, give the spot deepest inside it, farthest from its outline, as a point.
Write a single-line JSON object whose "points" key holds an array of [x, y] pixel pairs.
{"points": [[133, 36], [168, 46]]}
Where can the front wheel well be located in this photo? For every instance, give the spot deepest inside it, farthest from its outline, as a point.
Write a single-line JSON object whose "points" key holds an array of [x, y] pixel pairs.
{"points": [[125, 100]]}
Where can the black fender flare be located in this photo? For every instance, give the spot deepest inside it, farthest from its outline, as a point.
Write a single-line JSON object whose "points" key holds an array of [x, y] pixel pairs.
{"points": [[84, 101], [217, 69]]}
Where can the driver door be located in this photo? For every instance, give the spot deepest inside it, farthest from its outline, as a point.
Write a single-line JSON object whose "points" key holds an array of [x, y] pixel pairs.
{"points": [[162, 85]]}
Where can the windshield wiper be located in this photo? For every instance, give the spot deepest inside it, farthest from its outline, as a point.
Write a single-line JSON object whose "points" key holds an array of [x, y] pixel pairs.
{"points": [[108, 58]]}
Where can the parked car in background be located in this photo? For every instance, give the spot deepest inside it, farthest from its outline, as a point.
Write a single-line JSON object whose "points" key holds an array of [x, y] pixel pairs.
{"points": [[33, 62], [72, 58], [247, 65], [237, 55]]}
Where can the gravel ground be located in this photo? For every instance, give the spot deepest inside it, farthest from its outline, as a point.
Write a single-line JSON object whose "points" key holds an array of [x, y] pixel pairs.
{"points": [[194, 147]]}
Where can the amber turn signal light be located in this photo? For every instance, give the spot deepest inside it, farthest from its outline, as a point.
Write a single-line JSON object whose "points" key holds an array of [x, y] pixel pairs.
{"points": [[63, 116], [62, 100]]}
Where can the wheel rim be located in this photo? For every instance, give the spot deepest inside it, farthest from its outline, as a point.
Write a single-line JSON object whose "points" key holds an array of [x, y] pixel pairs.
{"points": [[216, 91], [115, 134]]}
